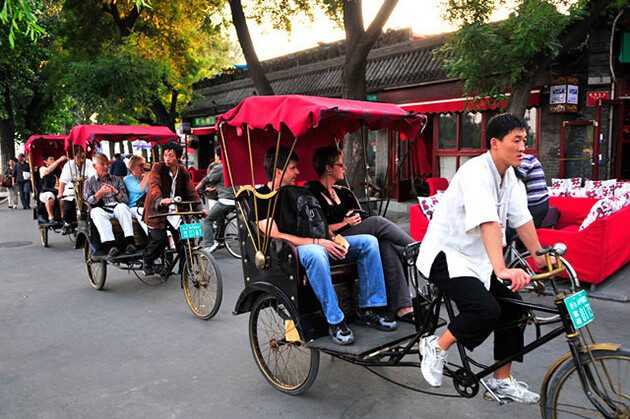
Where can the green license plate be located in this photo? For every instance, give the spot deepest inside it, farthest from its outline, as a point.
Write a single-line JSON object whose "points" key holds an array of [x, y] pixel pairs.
{"points": [[579, 309], [190, 231]]}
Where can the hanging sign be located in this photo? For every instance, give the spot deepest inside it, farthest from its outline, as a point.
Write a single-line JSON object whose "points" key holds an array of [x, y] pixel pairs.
{"points": [[563, 94], [592, 98]]}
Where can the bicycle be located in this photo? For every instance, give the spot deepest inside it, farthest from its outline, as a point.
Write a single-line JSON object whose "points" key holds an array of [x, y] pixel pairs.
{"points": [[599, 370], [227, 234]]}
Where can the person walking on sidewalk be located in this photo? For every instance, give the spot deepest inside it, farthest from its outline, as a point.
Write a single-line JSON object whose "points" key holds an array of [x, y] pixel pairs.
{"points": [[22, 178]]}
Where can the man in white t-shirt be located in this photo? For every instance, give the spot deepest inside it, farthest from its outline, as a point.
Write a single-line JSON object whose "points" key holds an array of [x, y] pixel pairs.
{"points": [[462, 254], [79, 167]]}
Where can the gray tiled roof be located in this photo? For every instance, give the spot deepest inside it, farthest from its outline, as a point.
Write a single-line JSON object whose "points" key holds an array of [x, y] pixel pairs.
{"points": [[402, 64]]}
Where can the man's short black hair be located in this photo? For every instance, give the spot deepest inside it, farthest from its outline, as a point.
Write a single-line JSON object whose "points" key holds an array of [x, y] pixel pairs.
{"points": [[47, 155], [117, 156], [284, 154], [501, 125], [177, 149]]}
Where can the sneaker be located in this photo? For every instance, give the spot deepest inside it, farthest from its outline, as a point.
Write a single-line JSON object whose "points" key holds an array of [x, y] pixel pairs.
{"points": [[433, 358], [509, 388], [130, 249], [341, 333], [148, 269], [374, 318], [113, 251], [214, 246], [66, 229]]}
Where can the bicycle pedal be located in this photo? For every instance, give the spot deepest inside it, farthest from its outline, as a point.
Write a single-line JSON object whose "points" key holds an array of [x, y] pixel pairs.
{"points": [[501, 400]]}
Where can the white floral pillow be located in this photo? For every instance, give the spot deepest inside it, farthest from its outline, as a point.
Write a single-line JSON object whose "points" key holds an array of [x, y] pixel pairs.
{"points": [[572, 182], [427, 204], [600, 188], [576, 192], [603, 208], [623, 187], [558, 190]]}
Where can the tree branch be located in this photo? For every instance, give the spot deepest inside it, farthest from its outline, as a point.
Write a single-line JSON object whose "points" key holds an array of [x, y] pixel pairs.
{"points": [[376, 27], [124, 24]]}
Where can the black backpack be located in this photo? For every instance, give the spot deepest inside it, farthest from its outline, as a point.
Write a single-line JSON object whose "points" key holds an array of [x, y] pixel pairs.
{"points": [[300, 213]]}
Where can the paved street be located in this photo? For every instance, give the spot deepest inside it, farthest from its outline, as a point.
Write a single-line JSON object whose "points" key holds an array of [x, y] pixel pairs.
{"points": [[135, 351]]}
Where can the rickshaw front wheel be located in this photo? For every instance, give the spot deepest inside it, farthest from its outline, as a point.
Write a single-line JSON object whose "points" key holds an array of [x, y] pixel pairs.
{"points": [[97, 271], [43, 235], [286, 363], [202, 284]]}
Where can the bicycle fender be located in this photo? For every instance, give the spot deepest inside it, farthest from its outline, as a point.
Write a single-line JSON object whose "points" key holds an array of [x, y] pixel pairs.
{"points": [[595, 346], [248, 296]]}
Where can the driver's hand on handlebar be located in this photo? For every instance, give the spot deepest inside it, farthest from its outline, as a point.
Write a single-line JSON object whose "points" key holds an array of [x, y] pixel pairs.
{"points": [[541, 261], [166, 202], [518, 277], [204, 212], [336, 251]]}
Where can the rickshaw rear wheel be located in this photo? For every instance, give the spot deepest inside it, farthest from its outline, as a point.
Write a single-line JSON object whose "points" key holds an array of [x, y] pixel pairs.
{"points": [[286, 363], [97, 271], [43, 235], [202, 284]]}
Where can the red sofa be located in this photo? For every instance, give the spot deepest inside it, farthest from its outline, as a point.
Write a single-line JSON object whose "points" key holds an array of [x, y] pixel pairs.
{"points": [[599, 250], [596, 252]]}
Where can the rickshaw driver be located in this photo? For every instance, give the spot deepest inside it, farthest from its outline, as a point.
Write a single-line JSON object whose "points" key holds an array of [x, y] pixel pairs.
{"points": [[168, 179], [107, 197], [75, 168], [316, 252], [49, 175], [462, 254]]}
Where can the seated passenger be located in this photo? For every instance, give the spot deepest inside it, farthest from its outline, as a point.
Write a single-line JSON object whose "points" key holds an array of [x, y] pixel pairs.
{"points": [[340, 206], [106, 196], [299, 220], [137, 184], [49, 175], [168, 179], [77, 168]]}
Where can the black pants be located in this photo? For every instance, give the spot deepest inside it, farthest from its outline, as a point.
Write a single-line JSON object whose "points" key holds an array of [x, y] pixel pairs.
{"points": [[69, 211], [391, 243], [25, 193], [157, 242], [480, 312]]}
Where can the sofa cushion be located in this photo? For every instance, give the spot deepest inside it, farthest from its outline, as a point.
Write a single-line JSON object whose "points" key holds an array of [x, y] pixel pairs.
{"points": [[427, 205], [603, 208], [600, 188]]}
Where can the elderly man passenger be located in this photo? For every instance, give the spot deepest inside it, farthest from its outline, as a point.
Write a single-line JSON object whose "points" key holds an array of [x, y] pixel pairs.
{"points": [[107, 198]]}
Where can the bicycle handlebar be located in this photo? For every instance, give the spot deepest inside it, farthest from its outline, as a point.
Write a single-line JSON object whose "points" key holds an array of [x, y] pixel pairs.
{"points": [[168, 214]]}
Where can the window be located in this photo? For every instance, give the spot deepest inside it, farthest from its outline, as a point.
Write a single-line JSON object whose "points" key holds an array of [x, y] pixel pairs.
{"points": [[531, 116], [447, 130], [471, 130]]}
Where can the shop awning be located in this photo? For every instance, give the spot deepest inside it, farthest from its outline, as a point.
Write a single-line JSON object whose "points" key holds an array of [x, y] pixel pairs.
{"points": [[204, 131], [461, 104]]}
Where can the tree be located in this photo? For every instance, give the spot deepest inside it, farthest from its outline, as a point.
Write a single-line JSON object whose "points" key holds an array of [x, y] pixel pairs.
{"points": [[493, 58], [135, 64]]}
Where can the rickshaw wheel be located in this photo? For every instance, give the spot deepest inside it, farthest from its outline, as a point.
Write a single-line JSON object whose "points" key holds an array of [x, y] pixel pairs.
{"points": [[286, 363], [97, 271], [203, 286], [43, 235]]}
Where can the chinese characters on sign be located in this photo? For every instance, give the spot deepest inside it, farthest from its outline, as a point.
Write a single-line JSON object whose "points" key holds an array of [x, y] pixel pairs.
{"points": [[579, 309]]}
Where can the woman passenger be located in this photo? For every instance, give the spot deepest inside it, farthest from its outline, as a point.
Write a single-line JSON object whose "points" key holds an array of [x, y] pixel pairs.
{"points": [[137, 184], [340, 206]]}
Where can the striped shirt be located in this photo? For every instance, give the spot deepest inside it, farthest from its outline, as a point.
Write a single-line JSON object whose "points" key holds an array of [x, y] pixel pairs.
{"points": [[535, 182], [93, 184]]}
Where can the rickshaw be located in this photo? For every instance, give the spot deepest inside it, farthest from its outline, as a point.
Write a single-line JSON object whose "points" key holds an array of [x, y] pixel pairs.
{"points": [[36, 147], [287, 330], [200, 275]]}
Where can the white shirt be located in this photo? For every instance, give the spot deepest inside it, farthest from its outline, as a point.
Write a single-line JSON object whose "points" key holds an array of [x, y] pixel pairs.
{"points": [[475, 196], [70, 171]]}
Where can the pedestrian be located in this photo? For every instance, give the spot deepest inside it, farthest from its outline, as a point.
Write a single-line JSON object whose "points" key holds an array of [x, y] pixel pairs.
{"points": [[22, 178], [7, 182], [118, 167]]}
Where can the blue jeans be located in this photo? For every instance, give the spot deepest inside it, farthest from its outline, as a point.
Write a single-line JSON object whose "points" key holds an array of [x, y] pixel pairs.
{"points": [[364, 252]]}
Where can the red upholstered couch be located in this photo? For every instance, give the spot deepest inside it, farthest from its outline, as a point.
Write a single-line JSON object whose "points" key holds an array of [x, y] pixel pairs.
{"points": [[596, 252], [196, 175], [599, 250]]}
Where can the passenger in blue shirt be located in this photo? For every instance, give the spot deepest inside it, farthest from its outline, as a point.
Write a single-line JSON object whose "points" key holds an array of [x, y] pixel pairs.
{"points": [[137, 183]]}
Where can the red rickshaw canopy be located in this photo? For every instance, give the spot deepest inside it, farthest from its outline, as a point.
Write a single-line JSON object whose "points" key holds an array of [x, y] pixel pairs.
{"points": [[81, 135], [38, 145], [315, 121]]}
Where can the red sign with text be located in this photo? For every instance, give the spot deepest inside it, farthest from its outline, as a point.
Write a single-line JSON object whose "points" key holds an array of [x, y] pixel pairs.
{"points": [[593, 97]]}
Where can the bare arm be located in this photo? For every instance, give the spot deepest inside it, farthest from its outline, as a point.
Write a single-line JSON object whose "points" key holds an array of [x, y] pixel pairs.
{"points": [[48, 170], [529, 237], [491, 236]]}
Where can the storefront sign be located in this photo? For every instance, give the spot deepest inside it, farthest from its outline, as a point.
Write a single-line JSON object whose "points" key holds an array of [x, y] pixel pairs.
{"points": [[203, 121], [592, 98], [563, 94]]}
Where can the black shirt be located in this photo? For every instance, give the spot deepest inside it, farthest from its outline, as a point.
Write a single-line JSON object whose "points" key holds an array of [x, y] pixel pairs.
{"points": [[50, 181], [335, 213]]}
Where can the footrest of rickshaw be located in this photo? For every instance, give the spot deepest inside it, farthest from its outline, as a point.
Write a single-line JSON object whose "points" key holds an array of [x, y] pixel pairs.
{"points": [[367, 340], [100, 256]]}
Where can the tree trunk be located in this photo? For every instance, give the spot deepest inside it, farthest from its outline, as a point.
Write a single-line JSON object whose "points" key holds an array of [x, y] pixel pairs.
{"points": [[164, 117], [7, 128], [359, 42], [519, 98], [254, 68]]}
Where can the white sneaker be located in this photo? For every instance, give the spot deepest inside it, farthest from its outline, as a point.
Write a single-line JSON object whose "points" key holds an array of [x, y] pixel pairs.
{"points": [[509, 388], [433, 358]]}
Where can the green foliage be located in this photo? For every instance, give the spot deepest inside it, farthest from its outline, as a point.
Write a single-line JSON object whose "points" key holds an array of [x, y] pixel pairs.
{"points": [[492, 57]]}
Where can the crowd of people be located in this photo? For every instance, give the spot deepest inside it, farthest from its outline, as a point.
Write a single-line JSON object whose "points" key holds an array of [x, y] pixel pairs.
{"points": [[461, 252]]}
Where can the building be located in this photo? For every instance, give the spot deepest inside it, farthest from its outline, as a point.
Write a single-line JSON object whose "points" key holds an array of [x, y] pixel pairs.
{"points": [[579, 116]]}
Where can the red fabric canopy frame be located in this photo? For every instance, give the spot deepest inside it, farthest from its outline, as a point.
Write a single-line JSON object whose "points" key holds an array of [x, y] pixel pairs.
{"points": [[315, 121], [38, 145], [82, 135]]}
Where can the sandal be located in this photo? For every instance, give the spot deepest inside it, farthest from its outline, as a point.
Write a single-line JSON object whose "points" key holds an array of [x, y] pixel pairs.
{"points": [[407, 318]]}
